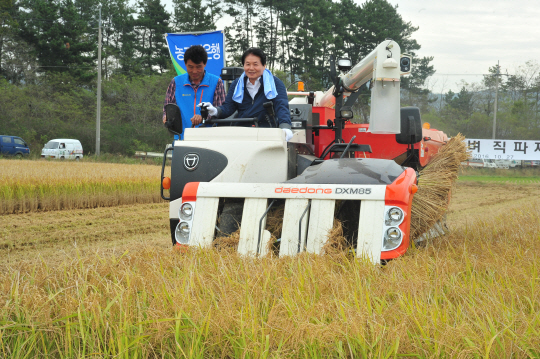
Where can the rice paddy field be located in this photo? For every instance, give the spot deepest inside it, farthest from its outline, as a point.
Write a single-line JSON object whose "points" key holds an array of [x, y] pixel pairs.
{"points": [[30, 186], [103, 282]]}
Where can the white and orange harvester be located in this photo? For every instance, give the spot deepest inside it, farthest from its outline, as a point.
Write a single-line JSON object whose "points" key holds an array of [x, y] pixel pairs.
{"points": [[220, 173]]}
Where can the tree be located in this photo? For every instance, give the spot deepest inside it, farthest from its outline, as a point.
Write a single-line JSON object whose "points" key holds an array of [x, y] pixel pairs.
{"points": [[59, 36], [118, 48], [240, 35], [7, 24], [192, 15], [151, 26], [380, 20]]}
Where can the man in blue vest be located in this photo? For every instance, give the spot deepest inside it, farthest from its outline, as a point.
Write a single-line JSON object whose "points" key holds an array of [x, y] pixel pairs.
{"points": [[194, 87], [248, 93]]}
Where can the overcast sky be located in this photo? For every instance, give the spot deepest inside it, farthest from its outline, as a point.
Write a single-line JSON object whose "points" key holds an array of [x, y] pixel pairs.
{"points": [[466, 37], [469, 36]]}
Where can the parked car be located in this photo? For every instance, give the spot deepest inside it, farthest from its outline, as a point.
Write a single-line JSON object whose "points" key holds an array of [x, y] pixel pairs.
{"points": [[473, 162], [63, 148], [13, 146], [531, 163]]}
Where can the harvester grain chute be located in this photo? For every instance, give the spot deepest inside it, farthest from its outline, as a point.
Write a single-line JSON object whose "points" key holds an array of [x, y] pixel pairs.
{"points": [[331, 168]]}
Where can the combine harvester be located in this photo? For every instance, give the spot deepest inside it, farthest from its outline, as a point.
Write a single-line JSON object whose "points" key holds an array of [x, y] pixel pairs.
{"points": [[366, 174]]}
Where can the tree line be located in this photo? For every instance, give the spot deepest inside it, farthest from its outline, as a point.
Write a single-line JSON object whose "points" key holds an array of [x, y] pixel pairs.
{"points": [[48, 63], [41, 36], [471, 110], [48, 57]]}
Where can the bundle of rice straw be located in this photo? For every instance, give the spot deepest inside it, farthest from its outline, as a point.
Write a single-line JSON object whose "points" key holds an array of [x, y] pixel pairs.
{"points": [[228, 242], [336, 243], [435, 182], [274, 224]]}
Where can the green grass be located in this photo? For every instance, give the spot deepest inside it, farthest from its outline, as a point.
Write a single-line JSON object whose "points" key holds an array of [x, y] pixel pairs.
{"points": [[516, 175], [502, 179]]}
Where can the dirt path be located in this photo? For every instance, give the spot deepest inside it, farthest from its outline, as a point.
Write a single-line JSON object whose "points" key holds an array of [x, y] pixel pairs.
{"points": [[52, 234], [473, 199]]}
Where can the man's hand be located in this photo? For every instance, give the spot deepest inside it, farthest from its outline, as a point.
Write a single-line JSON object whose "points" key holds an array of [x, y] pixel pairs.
{"points": [[164, 119], [288, 134], [196, 120], [212, 111]]}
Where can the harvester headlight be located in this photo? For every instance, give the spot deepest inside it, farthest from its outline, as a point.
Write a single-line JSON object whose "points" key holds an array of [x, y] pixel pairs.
{"points": [[346, 112], [394, 216], [392, 238], [182, 233], [344, 64], [186, 211]]}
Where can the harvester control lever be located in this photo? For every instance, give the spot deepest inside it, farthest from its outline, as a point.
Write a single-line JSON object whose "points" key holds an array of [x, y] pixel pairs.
{"points": [[269, 107], [348, 146], [204, 113]]}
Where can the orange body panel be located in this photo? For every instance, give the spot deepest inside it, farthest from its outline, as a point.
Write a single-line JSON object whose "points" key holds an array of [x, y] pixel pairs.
{"points": [[190, 192], [399, 194], [382, 146]]}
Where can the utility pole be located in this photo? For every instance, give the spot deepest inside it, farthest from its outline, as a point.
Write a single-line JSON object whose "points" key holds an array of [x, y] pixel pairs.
{"points": [[496, 97], [98, 112]]}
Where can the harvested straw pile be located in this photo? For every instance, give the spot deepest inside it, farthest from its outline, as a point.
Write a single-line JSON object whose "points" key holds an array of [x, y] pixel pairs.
{"points": [[230, 242], [274, 224], [337, 243], [434, 185]]}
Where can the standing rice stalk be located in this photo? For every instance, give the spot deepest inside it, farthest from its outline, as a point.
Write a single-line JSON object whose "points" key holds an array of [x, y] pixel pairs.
{"points": [[31, 186]]}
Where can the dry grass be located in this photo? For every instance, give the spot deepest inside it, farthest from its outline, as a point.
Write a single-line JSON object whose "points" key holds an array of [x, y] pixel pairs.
{"points": [[435, 182], [127, 294], [29, 186], [475, 294]]}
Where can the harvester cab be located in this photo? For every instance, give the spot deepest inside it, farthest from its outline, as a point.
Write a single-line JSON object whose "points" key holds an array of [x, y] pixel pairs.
{"points": [[284, 197]]}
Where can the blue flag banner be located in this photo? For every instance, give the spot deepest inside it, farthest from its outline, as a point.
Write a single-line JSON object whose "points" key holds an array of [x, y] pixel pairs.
{"points": [[213, 42]]}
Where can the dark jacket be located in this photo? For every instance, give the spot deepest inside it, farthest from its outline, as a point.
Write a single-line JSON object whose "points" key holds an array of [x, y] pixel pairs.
{"points": [[254, 107]]}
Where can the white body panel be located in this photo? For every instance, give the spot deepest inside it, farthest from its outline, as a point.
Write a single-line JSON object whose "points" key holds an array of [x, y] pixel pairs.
{"points": [[316, 223], [254, 154], [174, 206], [370, 230], [249, 230], [292, 190], [294, 209], [203, 230], [320, 224]]}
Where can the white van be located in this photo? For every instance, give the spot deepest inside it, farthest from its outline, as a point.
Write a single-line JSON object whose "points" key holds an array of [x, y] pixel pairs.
{"points": [[63, 148]]}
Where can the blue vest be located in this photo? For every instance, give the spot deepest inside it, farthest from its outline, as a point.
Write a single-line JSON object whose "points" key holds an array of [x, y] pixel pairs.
{"points": [[187, 99]]}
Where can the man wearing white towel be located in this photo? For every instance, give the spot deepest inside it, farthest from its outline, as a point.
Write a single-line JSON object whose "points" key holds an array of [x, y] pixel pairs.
{"points": [[248, 93]]}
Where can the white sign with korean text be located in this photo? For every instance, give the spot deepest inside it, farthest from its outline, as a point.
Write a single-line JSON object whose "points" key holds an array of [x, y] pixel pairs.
{"points": [[504, 149]]}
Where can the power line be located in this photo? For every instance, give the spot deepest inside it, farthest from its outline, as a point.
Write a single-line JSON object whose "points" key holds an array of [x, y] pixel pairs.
{"points": [[439, 74], [46, 20]]}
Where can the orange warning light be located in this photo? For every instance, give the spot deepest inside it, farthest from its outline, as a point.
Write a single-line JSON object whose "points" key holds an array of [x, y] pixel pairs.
{"points": [[426, 125], [166, 182], [300, 86]]}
